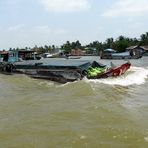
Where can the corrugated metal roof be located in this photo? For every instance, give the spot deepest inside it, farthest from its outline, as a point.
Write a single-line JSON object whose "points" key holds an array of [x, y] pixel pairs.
{"points": [[133, 47]]}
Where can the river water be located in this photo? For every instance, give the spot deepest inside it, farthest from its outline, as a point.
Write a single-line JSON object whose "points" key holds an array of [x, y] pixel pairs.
{"points": [[100, 113]]}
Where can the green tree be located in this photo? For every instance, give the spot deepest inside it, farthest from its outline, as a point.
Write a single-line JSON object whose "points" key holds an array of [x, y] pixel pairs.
{"points": [[78, 44], [121, 44], [66, 46], [144, 39]]}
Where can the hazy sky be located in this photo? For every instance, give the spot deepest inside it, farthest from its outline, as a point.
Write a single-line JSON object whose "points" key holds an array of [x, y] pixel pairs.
{"points": [[39, 22]]}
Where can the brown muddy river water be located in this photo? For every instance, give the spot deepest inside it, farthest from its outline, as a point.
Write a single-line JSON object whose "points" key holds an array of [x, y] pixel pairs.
{"points": [[104, 113]]}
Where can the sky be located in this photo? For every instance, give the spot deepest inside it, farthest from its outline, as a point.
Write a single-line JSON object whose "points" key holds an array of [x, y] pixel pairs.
{"points": [[26, 23]]}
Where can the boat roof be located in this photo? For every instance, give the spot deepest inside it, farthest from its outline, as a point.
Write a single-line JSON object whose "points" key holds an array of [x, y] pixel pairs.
{"points": [[109, 50], [56, 63]]}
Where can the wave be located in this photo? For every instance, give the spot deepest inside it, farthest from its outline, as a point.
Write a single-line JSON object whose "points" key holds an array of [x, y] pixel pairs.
{"points": [[135, 75]]}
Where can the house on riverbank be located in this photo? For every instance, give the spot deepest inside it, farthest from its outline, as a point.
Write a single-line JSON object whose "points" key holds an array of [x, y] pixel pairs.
{"points": [[136, 51], [132, 52], [4, 55], [17, 55], [77, 52]]}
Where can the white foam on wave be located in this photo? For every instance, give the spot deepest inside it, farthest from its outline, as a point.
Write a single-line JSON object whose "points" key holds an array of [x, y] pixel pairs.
{"points": [[135, 75]]}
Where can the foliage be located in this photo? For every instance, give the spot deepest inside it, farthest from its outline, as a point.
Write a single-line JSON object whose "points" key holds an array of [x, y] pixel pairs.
{"points": [[68, 46], [144, 39], [120, 44]]}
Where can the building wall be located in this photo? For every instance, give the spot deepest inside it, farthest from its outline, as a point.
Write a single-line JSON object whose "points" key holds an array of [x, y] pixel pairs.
{"points": [[77, 52]]}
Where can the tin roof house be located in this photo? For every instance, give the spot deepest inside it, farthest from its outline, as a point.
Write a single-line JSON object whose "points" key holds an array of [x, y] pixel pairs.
{"points": [[132, 52], [16, 55], [136, 51]]}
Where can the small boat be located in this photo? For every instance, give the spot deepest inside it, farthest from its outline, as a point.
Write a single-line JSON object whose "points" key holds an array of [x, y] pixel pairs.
{"points": [[74, 57], [112, 71]]}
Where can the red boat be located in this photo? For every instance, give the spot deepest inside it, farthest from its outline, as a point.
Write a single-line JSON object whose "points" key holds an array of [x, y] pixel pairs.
{"points": [[112, 72]]}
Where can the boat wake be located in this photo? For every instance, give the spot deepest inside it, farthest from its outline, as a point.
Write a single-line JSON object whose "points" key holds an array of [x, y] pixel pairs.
{"points": [[135, 75]]}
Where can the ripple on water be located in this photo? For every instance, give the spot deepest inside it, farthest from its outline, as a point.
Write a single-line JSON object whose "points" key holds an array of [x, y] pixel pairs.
{"points": [[134, 76]]}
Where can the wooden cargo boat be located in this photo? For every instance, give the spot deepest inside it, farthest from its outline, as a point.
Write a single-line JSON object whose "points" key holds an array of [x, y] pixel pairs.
{"points": [[64, 70], [56, 69]]}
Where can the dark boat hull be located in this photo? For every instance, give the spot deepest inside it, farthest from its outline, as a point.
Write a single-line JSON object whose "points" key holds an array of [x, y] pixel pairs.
{"points": [[61, 71]]}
